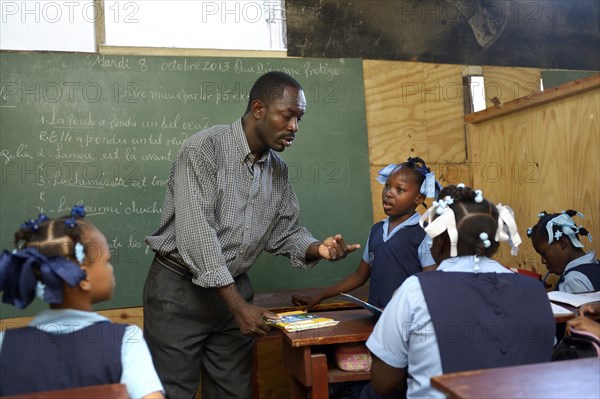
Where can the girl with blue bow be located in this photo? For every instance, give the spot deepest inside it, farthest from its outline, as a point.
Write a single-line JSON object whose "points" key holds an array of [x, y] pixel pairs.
{"points": [[66, 263], [397, 246]]}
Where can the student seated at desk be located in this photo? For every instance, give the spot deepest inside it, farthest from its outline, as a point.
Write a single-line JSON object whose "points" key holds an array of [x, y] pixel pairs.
{"points": [[471, 313], [397, 246], [554, 237], [66, 261]]}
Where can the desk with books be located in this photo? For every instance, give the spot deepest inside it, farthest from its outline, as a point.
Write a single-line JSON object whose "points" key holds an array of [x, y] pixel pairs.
{"points": [[305, 352], [270, 380]]}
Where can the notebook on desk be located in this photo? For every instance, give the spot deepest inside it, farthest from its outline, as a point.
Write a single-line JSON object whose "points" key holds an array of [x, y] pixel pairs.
{"points": [[574, 299], [559, 310]]}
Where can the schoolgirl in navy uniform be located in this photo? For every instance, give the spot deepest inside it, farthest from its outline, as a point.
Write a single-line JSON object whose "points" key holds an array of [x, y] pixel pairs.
{"points": [[555, 238], [471, 313], [397, 246], [66, 262]]}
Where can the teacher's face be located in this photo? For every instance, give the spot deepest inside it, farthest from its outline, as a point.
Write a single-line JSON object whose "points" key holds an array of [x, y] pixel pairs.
{"points": [[278, 123]]}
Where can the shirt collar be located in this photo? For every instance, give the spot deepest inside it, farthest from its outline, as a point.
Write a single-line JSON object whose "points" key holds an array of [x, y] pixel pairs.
{"points": [[467, 263], [242, 142], [65, 320], [589, 257], [414, 219]]}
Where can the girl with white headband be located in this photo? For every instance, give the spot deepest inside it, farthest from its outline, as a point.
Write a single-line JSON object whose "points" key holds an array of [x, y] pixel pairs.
{"points": [[471, 313], [555, 238]]}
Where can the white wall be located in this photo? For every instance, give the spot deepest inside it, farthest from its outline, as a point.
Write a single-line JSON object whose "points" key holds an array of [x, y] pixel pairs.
{"points": [[69, 25], [47, 25]]}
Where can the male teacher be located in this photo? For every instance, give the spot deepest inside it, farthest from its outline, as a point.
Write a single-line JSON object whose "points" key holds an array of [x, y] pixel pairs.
{"points": [[228, 198]]}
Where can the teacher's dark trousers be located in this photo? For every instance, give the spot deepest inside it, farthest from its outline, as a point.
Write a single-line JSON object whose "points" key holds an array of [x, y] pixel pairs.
{"points": [[188, 327]]}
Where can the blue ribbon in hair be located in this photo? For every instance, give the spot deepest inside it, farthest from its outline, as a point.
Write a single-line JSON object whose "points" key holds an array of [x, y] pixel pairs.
{"points": [[21, 270], [566, 226]]}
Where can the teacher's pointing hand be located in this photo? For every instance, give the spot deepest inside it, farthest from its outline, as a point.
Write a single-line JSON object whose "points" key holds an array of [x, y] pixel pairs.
{"points": [[335, 248]]}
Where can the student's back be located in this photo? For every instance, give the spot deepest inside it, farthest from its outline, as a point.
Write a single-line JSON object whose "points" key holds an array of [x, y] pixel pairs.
{"points": [[66, 262], [62, 353], [471, 313]]}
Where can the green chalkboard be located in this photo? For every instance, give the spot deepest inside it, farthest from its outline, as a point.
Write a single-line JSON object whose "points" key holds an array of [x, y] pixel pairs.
{"points": [[104, 130]]}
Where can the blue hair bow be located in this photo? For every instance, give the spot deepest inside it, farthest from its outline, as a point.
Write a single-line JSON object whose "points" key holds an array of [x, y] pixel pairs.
{"points": [[430, 187], [385, 173], [567, 226], [18, 280]]}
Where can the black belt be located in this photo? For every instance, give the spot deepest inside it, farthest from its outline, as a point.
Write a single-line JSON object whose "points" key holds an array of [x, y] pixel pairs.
{"points": [[173, 266]]}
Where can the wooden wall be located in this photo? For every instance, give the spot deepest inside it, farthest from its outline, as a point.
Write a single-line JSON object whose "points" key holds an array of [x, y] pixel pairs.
{"points": [[414, 109], [541, 152]]}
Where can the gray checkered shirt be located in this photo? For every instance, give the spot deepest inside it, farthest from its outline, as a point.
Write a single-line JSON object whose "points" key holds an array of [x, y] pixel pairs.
{"points": [[221, 210]]}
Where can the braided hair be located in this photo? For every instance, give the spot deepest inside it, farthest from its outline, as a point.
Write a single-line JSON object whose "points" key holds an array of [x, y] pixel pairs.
{"points": [[472, 219], [540, 230], [53, 237], [419, 169], [418, 166]]}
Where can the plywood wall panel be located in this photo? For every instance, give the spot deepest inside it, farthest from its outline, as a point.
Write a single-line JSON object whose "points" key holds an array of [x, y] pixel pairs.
{"points": [[414, 109], [508, 83], [550, 159], [443, 97]]}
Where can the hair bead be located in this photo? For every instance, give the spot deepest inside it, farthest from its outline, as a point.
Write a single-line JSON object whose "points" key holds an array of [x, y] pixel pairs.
{"points": [[478, 196]]}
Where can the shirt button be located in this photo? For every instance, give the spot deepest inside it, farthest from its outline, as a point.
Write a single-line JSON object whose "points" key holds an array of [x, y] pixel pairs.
{"points": [[247, 227], [503, 350], [242, 252], [498, 311]]}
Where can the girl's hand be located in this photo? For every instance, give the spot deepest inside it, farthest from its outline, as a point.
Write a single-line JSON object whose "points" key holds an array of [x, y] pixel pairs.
{"points": [[583, 323]]}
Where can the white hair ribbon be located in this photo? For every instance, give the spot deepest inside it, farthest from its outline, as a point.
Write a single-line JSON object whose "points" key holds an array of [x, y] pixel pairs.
{"points": [[568, 227], [444, 222], [507, 228]]}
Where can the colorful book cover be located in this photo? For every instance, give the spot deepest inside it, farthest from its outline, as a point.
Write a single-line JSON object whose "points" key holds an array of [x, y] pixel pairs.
{"points": [[299, 320]]}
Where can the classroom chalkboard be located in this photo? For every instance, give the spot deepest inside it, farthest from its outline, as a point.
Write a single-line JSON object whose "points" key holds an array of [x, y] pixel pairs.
{"points": [[102, 131]]}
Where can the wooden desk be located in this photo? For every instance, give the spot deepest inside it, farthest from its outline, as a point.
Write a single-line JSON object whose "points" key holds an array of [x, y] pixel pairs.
{"points": [[113, 391], [563, 379], [281, 301], [304, 352], [269, 379]]}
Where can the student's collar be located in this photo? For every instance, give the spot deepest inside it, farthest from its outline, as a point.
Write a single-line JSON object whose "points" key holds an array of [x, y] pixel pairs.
{"points": [[589, 257], [411, 221], [57, 316]]}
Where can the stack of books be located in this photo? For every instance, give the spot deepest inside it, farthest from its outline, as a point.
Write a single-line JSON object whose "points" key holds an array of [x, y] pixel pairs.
{"points": [[298, 320]]}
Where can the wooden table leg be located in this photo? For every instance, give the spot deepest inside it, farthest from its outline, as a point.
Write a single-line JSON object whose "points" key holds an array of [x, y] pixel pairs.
{"points": [[320, 388]]}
